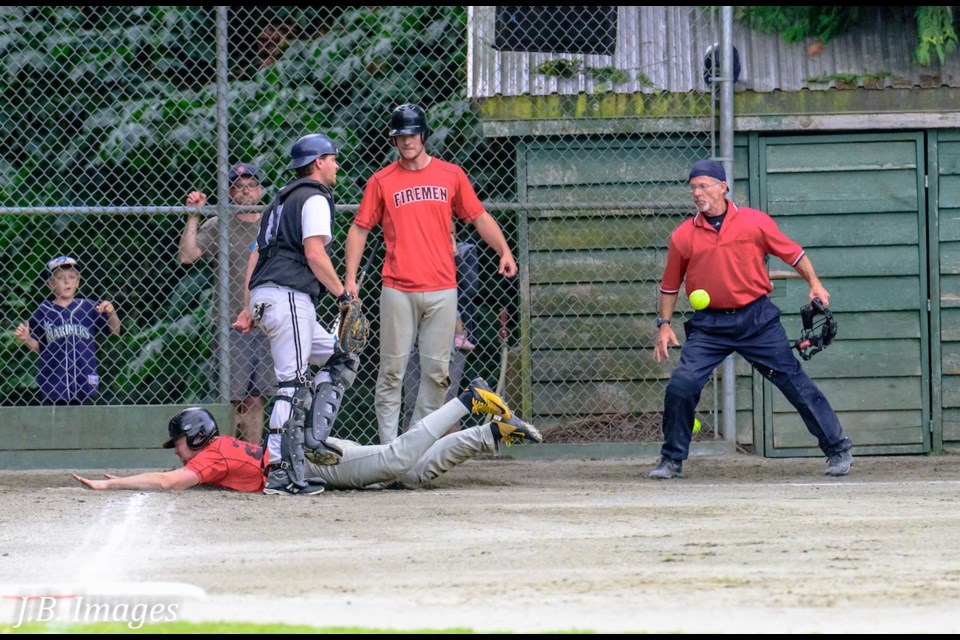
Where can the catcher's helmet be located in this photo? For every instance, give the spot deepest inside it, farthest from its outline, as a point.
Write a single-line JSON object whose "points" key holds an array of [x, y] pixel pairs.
{"points": [[409, 119], [197, 424], [309, 148]]}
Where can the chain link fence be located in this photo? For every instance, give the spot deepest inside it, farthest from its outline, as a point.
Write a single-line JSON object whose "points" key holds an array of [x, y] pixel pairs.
{"points": [[111, 116]]}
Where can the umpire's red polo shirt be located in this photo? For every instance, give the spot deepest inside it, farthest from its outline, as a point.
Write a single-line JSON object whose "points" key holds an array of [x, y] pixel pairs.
{"points": [[729, 264]]}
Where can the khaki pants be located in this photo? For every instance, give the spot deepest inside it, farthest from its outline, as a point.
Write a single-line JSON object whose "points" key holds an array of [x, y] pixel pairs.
{"points": [[427, 320]]}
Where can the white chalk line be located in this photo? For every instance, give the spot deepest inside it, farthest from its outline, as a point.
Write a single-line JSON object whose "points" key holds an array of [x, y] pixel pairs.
{"points": [[827, 483]]}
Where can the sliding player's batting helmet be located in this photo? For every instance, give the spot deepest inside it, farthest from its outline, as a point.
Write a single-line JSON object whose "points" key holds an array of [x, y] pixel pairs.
{"points": [[197, 424]]}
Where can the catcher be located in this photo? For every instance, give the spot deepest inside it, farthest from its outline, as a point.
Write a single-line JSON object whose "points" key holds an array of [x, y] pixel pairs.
{"points": [[288, 270], [418, 456]]}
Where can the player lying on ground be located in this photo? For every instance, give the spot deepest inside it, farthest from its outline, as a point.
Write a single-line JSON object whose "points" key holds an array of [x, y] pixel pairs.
{"points": [[419, 455]]}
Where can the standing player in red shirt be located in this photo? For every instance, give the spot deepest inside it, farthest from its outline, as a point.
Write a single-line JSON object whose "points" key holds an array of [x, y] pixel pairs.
{"points": [[722, 250], [414, 199]]}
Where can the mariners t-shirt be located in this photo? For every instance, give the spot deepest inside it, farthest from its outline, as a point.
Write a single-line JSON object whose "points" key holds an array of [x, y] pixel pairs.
{"points": [[230, 463], [415, 209], [68, 349]]}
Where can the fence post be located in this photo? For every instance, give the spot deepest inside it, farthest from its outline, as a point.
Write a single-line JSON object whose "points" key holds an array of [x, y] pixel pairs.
{"points": [[223, 208]]}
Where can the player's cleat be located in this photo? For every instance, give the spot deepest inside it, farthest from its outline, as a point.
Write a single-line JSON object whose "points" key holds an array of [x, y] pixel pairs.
{"points": [[513, 430], [480, 398], [280, 484]]}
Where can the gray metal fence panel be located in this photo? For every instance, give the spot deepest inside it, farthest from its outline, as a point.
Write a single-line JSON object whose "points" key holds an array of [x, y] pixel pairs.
{"points": [[111, 116]]}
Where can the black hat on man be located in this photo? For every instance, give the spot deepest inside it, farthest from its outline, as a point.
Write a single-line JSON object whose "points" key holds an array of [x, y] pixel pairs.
{"points": [[710, 168]]}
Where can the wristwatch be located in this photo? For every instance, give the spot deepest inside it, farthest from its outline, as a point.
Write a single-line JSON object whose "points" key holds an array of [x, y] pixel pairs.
{"points": [[661, 322]]}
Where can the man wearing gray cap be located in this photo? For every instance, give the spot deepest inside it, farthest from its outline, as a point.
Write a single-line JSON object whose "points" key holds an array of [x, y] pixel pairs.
{"points": [[251, 369], [722, 250]]}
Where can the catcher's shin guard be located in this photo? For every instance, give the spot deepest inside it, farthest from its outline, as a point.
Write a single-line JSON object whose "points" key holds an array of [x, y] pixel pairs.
{"points": [[342, 367], [333, 380], [292, 438]]}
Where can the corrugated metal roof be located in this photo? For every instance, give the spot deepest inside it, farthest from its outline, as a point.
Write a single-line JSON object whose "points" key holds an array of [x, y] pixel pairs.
{"points": [[662, 49]]}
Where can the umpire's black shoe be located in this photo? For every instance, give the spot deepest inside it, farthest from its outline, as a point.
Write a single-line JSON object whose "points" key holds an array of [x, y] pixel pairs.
{"points": [[839, 464], [667, 469]]}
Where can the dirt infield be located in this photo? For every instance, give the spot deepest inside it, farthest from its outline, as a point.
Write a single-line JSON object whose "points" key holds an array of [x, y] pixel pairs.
{"points": [[741, 544]]}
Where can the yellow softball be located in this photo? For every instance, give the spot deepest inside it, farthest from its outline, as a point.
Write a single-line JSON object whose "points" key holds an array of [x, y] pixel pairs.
{"points": [[699, 299]]}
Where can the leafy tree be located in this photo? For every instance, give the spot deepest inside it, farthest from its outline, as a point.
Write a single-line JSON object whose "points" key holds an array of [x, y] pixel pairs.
{"points": [[116, 107], [795, 23], [935, 25]]}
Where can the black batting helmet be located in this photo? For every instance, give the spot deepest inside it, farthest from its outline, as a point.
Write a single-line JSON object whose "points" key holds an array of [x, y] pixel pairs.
{"points": [[409, 119], [309, 148], [197, 424]]}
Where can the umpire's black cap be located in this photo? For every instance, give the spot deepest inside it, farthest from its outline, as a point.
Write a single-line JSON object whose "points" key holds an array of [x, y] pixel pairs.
{"points": [[710, 168]]}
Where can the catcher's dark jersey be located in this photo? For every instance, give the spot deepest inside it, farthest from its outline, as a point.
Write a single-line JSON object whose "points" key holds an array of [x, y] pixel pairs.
{"points": [[68, 349], [281, 257]]}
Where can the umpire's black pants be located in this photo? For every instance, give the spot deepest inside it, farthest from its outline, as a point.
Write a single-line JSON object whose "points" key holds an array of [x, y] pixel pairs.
{"points": [[754, 332]]}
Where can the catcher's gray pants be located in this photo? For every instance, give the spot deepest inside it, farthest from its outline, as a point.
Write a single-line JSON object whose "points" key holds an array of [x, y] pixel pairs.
{"points": [[427, 319], [289, 320], [417, 456]]}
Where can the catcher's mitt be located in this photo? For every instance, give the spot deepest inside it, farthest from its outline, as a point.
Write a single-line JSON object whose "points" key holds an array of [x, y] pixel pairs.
{"points": [[353, 328]]}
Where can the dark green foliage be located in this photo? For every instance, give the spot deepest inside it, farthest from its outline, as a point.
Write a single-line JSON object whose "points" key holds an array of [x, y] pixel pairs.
{"points": [[90, 94], [610, 75], [120, 101], [116, 106], [934, 24], [561, 68], [798, 22]]}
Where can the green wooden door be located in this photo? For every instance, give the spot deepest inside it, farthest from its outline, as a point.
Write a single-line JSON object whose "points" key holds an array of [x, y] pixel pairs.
{"points": [[944, 153], [857, 204]]}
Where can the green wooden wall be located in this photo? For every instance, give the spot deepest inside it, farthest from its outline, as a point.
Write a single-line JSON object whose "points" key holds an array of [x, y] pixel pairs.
{"points": [[92, 437], [945, 288], [590, 272], [857, 204], [885, 243]]}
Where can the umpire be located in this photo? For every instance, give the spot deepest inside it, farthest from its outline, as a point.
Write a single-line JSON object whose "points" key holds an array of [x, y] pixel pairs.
{"points": [[723, 249]]}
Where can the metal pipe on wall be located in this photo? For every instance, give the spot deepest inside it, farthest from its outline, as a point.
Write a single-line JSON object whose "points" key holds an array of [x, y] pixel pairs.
{"points": [[223, 207], [726, 156]]}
